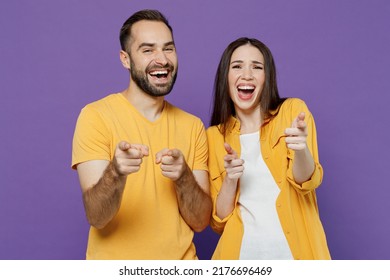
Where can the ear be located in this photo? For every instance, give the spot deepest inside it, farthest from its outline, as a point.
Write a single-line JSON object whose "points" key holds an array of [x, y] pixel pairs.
{"points": [[125, 59]]}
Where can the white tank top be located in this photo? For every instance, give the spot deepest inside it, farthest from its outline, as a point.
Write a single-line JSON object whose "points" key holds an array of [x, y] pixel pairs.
{"points": [[263, 235]]}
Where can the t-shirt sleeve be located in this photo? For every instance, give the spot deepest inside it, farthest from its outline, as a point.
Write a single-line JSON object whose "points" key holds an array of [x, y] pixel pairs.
{"points": [[201, 146], [91, 140]]}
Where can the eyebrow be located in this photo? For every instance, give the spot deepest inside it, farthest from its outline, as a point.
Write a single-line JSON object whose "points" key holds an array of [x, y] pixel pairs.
{"points": [[170, 43], [241, 61]]}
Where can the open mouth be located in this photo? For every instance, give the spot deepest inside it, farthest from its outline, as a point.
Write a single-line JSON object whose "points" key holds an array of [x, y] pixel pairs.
{"points": [[245, 91], [159, 74]]}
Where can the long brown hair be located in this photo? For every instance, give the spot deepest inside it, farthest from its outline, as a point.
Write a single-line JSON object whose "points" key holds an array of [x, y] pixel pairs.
{"points": [[223, 106]]}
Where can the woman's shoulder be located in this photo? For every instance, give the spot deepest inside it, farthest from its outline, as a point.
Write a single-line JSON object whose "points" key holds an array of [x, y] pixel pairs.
{"points": [[293, 105], [213, 130], [293, 102]]}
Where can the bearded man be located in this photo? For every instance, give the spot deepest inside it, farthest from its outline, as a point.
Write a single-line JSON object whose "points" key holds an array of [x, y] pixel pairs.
{"points": [[142, 162]]}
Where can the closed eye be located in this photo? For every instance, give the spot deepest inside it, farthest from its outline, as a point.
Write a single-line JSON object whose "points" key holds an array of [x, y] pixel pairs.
{"points": [[170, 49]]}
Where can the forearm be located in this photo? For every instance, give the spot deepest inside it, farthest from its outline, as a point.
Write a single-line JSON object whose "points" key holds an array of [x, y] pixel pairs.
{"points": [[194, 204], [303, 166], [226, 197], [102, 201]]}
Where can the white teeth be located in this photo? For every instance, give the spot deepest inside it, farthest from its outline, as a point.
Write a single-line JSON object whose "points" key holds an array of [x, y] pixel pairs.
{"points": [[159, 73], [246, 87]]}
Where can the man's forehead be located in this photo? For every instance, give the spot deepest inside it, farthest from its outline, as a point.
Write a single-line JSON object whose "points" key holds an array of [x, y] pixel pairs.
{"points": [[151, 32]]}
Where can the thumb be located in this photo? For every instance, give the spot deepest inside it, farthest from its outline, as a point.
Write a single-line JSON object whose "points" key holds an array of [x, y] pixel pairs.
{"points": [[160, 154], [229, 149], [301, 124], [301, 116], [124, 146], [175, 153], [299, 121], [142, 148]]}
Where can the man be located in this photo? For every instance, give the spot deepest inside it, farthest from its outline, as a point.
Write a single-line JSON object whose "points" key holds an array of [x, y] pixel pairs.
{"points": [[142, 163]]}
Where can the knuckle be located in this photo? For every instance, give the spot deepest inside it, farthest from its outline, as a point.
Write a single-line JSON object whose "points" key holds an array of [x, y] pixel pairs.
{"points": [[134, 169]]}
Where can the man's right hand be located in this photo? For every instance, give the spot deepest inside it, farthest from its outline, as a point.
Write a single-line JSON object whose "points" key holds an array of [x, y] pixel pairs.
{"points": [[128, 157]]}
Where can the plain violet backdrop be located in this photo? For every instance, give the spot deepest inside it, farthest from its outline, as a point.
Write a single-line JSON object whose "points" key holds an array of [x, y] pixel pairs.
{"points": [[57, 56]]}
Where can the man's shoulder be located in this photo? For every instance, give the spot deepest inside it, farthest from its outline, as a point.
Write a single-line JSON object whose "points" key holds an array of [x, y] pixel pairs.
{"points": [[104, 102]]}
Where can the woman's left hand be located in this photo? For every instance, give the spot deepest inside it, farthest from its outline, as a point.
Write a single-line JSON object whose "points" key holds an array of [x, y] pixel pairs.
{"points": [[297, 133]]}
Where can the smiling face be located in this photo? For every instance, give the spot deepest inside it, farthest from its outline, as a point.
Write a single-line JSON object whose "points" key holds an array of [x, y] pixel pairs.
{"points": [[153, 59], [246, 78]]}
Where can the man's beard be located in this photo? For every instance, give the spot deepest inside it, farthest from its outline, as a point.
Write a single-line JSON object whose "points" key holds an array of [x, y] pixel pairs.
{"points": [[141, 79]]}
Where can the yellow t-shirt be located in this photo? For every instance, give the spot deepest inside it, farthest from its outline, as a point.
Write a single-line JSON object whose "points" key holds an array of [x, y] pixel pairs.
{"points": [[148, 224], [296, 204]]}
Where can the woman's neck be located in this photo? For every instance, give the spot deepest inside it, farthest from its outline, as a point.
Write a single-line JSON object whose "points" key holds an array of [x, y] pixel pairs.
{"points": [[250, 121]]}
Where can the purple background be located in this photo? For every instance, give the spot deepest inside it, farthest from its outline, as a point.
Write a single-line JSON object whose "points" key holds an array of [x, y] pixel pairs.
{"points": [[57, 56]]}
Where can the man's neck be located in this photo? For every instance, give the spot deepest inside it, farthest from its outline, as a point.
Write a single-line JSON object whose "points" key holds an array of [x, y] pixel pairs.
{"points": [[150, 107]]}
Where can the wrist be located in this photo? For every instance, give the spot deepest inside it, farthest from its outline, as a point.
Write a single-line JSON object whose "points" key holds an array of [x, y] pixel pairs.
{"points": [[230, 184], [184, 175], [115, 173], [231, 181]]}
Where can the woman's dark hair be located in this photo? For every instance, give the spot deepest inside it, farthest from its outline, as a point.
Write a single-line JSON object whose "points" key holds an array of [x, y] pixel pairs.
{"points": [[223, 106], [152, 15]]}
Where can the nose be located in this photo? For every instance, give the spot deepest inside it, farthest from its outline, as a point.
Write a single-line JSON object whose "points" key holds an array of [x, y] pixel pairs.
{"points": [[160, 58], [247, 73]]}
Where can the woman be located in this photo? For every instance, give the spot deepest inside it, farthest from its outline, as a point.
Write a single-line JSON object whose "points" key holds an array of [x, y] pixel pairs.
{"points": [[263, 163]]}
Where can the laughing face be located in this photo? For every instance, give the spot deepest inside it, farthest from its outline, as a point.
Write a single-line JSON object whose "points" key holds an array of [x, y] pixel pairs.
{"points": [[153, 59], [246, 78]]}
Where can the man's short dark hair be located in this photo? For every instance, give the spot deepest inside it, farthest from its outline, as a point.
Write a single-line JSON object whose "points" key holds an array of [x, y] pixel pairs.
{"points": [[152, 15]]}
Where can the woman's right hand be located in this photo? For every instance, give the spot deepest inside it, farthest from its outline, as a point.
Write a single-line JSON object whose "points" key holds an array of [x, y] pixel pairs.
{"points": [[234, 166]]}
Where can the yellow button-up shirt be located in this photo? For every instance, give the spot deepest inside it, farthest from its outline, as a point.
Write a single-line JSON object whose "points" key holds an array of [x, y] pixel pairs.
{"points": [[296, 203]]}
